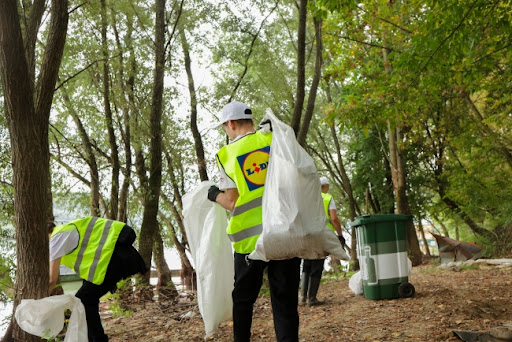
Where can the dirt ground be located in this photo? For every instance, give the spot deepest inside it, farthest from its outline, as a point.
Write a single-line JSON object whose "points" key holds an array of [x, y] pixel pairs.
{"points": [[446, 300]]}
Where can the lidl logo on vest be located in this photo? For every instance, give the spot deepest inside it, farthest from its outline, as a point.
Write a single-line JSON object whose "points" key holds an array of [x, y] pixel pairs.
{"points": [[254, 167]]}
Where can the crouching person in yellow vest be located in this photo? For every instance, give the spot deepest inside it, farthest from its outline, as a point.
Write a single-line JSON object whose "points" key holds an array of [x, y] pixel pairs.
{"points": [[100, 251], [243, 167]]}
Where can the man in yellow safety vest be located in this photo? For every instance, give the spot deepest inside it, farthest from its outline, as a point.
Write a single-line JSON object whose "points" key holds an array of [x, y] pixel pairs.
{"points": [[243, 166], [100, 251]]}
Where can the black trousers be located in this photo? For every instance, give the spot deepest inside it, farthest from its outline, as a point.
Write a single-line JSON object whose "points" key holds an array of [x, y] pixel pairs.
{"points": [[314, 267], [125, 262], [284, 277]]}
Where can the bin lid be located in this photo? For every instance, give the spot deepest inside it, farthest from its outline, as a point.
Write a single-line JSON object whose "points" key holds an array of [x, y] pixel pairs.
{"points": [[362, 220]]}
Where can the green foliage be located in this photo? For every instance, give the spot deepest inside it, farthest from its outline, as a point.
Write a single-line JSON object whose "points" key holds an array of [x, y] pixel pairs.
{"points": [[440, 71], [118, 310], [47, 337], [469, 267], [7, 265], [337, 273], [435, 262], [265, 287], [118, 298], [370, 168]]}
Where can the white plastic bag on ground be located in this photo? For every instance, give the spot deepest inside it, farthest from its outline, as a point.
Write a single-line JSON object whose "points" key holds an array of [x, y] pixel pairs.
{"points": [[294, 222], [45, 317], [205, 224], [356, 283]]}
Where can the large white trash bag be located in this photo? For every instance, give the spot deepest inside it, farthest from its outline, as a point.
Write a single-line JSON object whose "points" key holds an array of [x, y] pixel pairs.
{"points": [[294, 221], [45, 317], [205, 224]]}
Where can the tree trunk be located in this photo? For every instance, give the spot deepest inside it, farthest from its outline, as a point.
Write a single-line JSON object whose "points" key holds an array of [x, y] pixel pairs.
{"points": [[198, 142], [347, 188], [423, 237], [90, 157], [114, 151], [187, 271], [301, 67], [125, 187], [149, 220], [374, 204], [398, 174], [301, 137], [165, 285], [27, 116], [443, 227], [127, 90], [164, 273], [35, 12]]}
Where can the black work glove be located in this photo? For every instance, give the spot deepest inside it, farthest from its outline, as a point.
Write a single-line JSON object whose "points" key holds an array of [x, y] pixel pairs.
{"points": [[265, 125], [342, 240], [213, 192]]}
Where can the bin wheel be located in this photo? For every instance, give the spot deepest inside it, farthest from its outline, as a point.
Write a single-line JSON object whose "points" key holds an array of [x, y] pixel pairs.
{"points": [[406, 290]]}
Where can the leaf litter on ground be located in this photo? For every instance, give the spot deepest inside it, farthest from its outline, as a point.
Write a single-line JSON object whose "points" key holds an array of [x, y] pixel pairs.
{"points": [[476, 298]]}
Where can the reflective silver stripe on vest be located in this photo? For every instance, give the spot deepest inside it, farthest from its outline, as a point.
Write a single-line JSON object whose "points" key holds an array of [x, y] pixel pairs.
{"points": [[247, 206], [97, 254], [246, 233], [83, 247]]}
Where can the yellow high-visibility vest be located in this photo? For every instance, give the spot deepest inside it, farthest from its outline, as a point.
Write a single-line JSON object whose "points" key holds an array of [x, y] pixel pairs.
{"points": [[327, 199], [97, 241], [245, 161]]}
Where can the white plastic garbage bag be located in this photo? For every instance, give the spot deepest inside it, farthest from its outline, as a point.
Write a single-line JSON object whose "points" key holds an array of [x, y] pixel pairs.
{"points": [[205, 224], [356, 283], [45, 317], [294, 221]]}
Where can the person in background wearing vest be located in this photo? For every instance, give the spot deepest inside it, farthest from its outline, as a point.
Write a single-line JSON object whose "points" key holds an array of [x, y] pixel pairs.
{"points": [[243, 166], [312, 269], [100, 251]]}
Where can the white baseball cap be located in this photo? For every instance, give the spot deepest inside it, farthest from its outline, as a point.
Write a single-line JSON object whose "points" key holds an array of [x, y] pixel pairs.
{"points": [[324, 181], [234, 111]]}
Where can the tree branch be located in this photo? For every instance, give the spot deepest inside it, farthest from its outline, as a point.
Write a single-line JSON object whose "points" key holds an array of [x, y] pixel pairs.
{"points": [[366, 43], [249, 54], [387, 21], [442, 43]]}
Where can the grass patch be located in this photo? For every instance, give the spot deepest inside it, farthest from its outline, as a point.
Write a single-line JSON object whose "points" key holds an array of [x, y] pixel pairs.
{"points": [[265, 286], [119, 299], [431, 270], [435, 262], [469, 267]]}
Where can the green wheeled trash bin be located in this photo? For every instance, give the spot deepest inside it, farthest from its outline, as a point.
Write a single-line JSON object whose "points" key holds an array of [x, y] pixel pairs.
{"points": [[382, 254]]}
